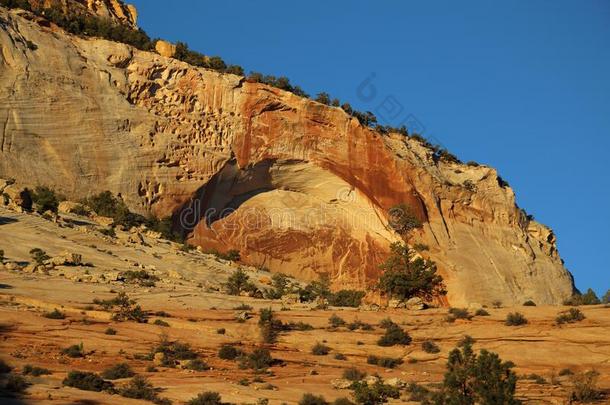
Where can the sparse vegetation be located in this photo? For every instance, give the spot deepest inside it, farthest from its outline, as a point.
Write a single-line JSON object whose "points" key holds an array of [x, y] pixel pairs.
{"points": [[206, 398], [377, 393], [197, 365], [335, 321], [429, 346], [34, 371], [269, 326], [238, 282], [584, 387], [353, 374], [320, 349], [229, 352], [160, 322], [124, 308], [565, 371], [173, 351], [571, 316], [110, 331], [405, 276], [529, 303], [402, 219], [121, 370], [515, 319], [458, 313], [394, 335], [310, 399], [45, 199], [346, 298], [259, 359], [39, 256], [55, 314], [86, 381], [140, 277], [472, 379], [497, 304], [74, 351], [385, 362], [481, 312], [140, 388]]}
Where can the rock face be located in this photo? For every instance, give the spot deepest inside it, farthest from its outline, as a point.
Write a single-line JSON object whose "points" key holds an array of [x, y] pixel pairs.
{"points": [[114, 10], [294, 185]]}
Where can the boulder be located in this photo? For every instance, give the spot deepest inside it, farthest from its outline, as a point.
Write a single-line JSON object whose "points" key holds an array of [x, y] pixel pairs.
{"points": [[341, 383], [159, 359], [415, 304], [242, 315], [103, 221], [395, 303], [371, 380], [12, 266], [69, 207], [18, 196], [395, 382], [290, 299], [66, 259]]}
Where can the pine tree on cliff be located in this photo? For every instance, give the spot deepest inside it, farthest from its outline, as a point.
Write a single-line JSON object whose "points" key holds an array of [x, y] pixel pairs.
{"points": [[405, 277]]}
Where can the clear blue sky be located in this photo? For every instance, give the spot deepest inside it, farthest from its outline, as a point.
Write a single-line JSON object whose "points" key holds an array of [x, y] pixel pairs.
{"points": [[523, 86]]}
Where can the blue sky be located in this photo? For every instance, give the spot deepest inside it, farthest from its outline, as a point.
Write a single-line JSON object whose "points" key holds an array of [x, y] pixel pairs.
{"points": [[523, 86]]}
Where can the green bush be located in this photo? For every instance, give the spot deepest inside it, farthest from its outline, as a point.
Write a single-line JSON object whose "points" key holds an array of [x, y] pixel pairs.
{"points": [[315, 289], [45, 199], [259, 359], [605, 298], [515, 319], [124, 308], [386, 323], [160, 322], [353, 374], [340, 356], [28, 369], [342, 401], [346, 298], [74, 351], [237, 282], [571, 316], [584, 387], [86, 381], [301, 326], [140, 388], [335, 321], [269, 326], [357, 324], [394, 335], [55, 314], [320, 349], [385, 362], [173, 351], [140, 277], [529, 303], [110, 331], [39, 256], [471, 379], [429, 346], [565, 371], [405, 276], [121, 370], [197, 365], [310, 399], [417, 393], [402, 219], [15, 384], [458, 313], [481, 312], [206, 398], [229, 352], [377, 393]]}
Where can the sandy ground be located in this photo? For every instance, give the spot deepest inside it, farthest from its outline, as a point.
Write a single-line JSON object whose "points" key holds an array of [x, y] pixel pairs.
{"points": [[187, 293]]}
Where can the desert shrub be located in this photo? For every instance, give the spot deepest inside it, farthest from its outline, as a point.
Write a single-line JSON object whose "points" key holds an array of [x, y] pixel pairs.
{"points": [[39, 256], [584, 387], [230, 255], [335, 321], [405, 276], [269, 326], [107, 205], [243, 307], [386, 362], [110, 331], [357, 324], [14, 384], [4, 367], [310, 399], [238, 281], [565, 371], [386, 323], [86, 381], [124, 308], [280, 286], [515, 319], [377, 393], [496, 304], [323, 98], [28, 369], [45, 199], [229, 352], [259, 359], [55, 314], [571, 316], [353, 374], [588, 298], [301, 326], [140, 277], [538, 379], [342, 401], [315, 289], [529, 303], [121, 370], [221, 331], [340, 356], [402, 219], [74, 351], [206, 398], [429, 346], [320, 349], [160, 322], [458, 313], [477, 379], [162, 314], [481, 312], [394, 335], [346, 298], [417, 393], [140, 388], [172, 351], [197, 365]]}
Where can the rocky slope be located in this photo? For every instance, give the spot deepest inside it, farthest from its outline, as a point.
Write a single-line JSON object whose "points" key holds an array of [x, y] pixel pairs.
{"points": [[296, 186]]}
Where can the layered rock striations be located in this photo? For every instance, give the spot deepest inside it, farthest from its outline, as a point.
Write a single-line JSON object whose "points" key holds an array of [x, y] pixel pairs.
{"points": [[296, 186]]}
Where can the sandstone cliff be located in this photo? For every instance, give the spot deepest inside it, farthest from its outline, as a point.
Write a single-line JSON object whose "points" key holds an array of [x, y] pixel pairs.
{"points": [[296, 186]]}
